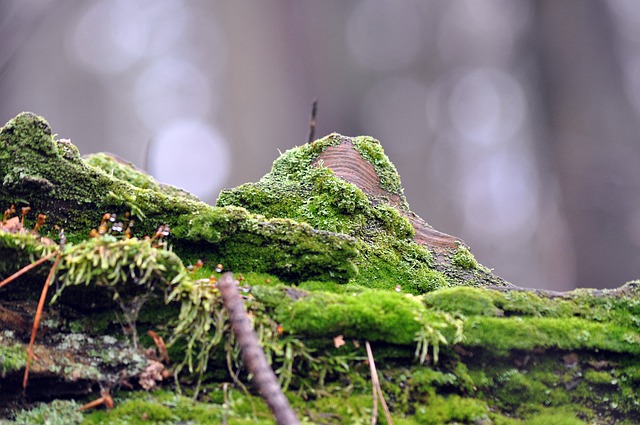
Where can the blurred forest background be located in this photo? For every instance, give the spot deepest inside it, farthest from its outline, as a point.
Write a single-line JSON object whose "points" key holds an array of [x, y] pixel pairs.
{"points": [[514, 124]]}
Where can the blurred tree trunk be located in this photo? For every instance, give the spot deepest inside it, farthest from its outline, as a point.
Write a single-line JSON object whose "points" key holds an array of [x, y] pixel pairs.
{"points": [[592, 137]]}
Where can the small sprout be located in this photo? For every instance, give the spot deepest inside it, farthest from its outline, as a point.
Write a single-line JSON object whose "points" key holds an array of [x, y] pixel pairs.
{"points": [[8, 213], [128, 233], [39, 222], [63, 238], [197, 266], [219, 268], [105, 218], [240, 277], [162, 231], [104, 399], [25, 210]]}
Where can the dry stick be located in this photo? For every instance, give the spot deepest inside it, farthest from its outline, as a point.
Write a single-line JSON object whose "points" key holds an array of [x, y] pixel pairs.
{"points": [[27, 268], [374, 389], [312, 126], [376, 384], [252, 354], [36, 320]]}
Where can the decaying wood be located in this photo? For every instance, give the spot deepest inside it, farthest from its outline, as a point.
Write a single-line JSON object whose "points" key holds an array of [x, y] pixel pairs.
{"points": [[252, 354], [348, 164]]}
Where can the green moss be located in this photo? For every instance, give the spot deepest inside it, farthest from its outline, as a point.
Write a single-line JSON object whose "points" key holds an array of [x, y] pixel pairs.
{"points": [[464, 258], [600, 377], [465, 300], [129, 173], [558, 416], [455, 354], [58, 412], [295, 250], [12, 357], [443, 410]]}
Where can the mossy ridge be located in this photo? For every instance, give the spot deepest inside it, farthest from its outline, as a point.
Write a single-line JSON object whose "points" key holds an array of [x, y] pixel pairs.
{"points": [[127, 172], [51, 177], [516, 320], [294, 250]]}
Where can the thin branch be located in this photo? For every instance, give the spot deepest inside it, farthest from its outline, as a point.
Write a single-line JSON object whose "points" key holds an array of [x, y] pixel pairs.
{"points": [[312, 125], [252, 354]]}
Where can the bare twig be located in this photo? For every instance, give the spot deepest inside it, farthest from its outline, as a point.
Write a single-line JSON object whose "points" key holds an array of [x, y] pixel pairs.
{"points": [[252, 354], [374, 414], [312, 125], [377, 391]]}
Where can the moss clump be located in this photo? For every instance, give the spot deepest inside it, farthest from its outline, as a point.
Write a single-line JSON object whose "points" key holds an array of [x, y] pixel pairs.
{"points": [[12, 357], [58, 412], [464, 258], [296, 250], [443, 410], [129, 173], [516, 320], [51, 177], [374, 315]]}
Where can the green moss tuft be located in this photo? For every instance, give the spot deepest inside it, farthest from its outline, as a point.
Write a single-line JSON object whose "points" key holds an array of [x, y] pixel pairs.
{"points": [[452, 409], [464, 258], [12, 357], [58, 412]]}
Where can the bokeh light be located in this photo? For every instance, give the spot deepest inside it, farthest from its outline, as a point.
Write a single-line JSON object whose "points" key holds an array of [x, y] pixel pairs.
{"points": [[111, 36], [171, 89], [191, 155]]}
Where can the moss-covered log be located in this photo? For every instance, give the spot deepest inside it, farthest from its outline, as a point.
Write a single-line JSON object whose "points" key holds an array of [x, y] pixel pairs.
{"points": [[328, 255]]}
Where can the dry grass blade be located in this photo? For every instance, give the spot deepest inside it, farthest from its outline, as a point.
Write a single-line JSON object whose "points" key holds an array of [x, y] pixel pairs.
{"points": [[377, 391], [27, 268], [36, 320]]}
